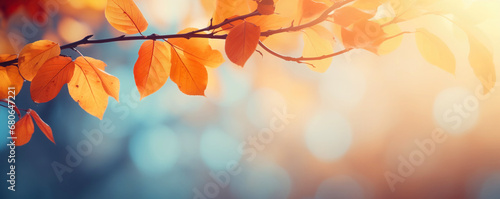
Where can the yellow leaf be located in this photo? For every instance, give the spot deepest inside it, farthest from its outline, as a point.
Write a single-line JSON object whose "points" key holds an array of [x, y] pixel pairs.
{"points": [[393, 41], [89, 83], [9, 77], [125, 16], [435, 51], [318, 41], [110, 83], [481, 61], [152, 68], [34, 55]]}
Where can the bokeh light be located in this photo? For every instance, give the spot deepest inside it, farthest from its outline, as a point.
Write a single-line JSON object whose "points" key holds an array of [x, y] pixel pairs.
{"points": [[456, 110], [340, 187], [155, 151], [344, 84], [265, 180], [328, 136], [261, 106], [490, 189], [217, 149]]}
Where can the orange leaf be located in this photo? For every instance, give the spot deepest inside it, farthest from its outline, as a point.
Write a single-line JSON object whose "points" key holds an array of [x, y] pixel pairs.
{"points": [[318, 41], [87, 87], [23, 131], [198, 49], [347, 16], [9, 77], [125, 16], [51, 78], [42, 125], [34, 55], [266, 7], [241, 42], [152, 68], [365, 34], [190, 76], [110, 83], [311, 8], [369, 4]]}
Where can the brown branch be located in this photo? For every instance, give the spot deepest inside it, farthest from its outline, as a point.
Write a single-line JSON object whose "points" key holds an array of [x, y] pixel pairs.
{"points": [[302, 60], [188, 35], [196, 33]]}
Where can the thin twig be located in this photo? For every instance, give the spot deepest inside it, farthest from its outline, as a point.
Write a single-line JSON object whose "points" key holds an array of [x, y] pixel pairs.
{"points": [[302, 59]]}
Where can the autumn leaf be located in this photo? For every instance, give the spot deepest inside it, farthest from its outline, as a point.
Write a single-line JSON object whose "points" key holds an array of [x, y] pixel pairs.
{"points": [[23, 131], [349, 15], [369, 4], [241, 42], [311, 9], [231, 24], [265, 22], [481, 61], [266, 7], [34, 55], [190, 76], [24, 128], [152, 68], [125, 16], [435, 51], [393, 38], [365, 34], [228, 8], [189, 58], [326, 2], [318, 41], [51, 77], [269, 22], [44, 127], [10, 77], [198, 49], [110, 83], [31, 9], [89, 83]]}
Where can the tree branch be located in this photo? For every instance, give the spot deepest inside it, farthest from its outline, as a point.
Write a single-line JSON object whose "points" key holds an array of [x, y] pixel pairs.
{"points": [[197, 33]]}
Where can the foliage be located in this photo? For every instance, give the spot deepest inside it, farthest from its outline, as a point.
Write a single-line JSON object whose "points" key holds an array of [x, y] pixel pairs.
{"points": [[325, 25]]}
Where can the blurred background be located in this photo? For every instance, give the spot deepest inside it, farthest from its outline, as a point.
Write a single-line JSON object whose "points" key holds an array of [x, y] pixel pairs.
{"points": [[364, 129]]}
